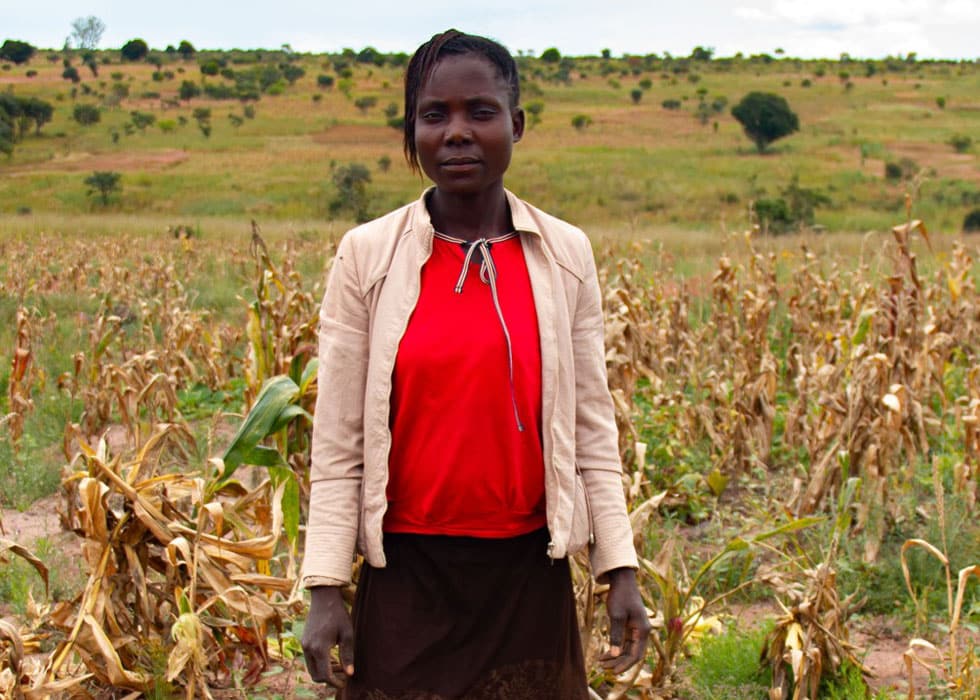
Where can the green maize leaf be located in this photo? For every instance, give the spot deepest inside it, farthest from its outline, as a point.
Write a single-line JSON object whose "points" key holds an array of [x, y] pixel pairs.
{"points": [[309, 374], [287, 415], [864, 325], [290, 500], [785, 528], [276, 395], [262, 456]]}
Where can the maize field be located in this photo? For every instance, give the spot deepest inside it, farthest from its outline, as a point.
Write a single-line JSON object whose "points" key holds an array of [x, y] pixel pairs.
{"points": [[827, 405]]}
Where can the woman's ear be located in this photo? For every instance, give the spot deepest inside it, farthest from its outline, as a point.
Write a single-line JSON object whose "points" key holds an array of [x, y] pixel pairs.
{"points": [[517, 117]]}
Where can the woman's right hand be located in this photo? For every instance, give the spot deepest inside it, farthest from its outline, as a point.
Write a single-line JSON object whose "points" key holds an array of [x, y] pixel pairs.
{"points": [[328, 625]]}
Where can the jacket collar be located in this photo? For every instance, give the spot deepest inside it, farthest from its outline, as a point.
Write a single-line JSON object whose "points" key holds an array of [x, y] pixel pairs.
{"points": [[520, 214]]}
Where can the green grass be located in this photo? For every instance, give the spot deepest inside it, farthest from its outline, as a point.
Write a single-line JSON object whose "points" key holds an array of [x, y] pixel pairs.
{"points": [[727, 666]]}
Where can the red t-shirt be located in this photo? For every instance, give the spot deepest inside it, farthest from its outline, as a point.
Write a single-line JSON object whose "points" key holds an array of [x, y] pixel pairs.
{"points": [[459, 465]]}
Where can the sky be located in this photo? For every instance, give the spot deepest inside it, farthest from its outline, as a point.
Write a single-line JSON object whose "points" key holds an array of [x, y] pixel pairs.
{"points": [[801, 28]]}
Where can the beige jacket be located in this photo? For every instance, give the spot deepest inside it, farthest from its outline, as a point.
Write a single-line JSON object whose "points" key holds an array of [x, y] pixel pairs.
{"points": [[371, 291]]}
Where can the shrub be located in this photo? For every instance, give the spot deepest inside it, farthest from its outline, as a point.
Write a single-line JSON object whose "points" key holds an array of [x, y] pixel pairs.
{"points": [[292, 73], [636, 94], [534, 110], [961, 143], [86, 114], [15, 51], [351, 182], [581, 121], [971, 222], [671, 104], [941, 102], [71, 73], [189, 89], [765, 117], [134, 50], [210, 67], [365, 103], [324, 81]]}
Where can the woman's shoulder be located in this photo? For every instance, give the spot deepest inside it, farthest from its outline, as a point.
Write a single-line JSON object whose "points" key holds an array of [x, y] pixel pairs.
{"points": [[567, 242]]}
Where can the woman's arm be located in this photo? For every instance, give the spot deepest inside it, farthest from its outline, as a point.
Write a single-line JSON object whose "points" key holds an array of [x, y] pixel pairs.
{"points": [[338, 425], [597, 458]]}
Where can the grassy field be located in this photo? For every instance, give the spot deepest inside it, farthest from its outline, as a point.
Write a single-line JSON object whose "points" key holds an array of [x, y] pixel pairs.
{"points": [[798, 413], [638, 166]]}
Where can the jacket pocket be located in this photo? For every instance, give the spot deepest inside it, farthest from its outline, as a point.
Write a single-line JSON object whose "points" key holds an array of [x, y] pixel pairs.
{"points": [[581, 534]]}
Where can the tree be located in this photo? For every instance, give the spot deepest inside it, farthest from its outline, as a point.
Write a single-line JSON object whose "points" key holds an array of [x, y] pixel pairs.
{"points": [[188, 90], [38, 111], [765, 117], [10, 111], [134, 50], [16, 51], [551, 55], [103, 183], [86, 32], [701, 53], [186, 49], [351, 182], [202, 115]]}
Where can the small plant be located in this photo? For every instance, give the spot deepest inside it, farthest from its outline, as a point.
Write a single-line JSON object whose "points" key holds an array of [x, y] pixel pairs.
{"points": [[958, 667], [636, 94], [104, 183], [941, 102], [961, 143], [581, 121], [671, 104]]}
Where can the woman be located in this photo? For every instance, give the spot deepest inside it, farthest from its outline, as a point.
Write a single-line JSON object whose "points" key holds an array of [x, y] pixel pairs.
{"points": [[464, 439]]}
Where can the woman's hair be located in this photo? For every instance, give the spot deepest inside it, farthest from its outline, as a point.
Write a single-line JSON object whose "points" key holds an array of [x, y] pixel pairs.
{"points": [[424, 60]]}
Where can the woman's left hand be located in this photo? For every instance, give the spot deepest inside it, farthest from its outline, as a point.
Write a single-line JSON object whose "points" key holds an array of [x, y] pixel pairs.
{"points": [[629, 626]]}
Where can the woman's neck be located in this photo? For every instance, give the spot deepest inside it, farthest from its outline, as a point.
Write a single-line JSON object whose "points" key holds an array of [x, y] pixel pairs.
{"points": [[470, 217]]}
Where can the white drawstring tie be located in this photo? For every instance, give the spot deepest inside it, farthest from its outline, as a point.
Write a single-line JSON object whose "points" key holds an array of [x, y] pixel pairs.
{"points": [[488, 274]]}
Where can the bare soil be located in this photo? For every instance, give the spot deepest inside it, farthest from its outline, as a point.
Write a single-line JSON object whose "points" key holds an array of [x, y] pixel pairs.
{"points": [[123, 162]]}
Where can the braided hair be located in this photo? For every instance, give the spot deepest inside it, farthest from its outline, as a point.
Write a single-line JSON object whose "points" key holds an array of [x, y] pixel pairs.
{"points": [[451, 43]]}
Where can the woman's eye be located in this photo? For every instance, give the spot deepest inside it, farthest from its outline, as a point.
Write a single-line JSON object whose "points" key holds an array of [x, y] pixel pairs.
{"points": [[431, 116]]}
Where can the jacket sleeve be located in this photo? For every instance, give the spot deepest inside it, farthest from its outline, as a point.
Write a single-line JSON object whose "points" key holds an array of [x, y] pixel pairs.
{"points": [[596, 438], [338, 425]]}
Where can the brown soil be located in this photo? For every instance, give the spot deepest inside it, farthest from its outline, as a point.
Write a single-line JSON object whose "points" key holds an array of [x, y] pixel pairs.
{"points": [[76, 162]]}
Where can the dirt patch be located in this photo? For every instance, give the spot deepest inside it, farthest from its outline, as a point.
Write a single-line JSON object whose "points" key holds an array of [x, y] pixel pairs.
{"points": [[349, 135], [40, 520], [123, 162]]}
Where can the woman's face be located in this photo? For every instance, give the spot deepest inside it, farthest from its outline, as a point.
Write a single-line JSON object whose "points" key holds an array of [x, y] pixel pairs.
{"points": [[465, 126]]}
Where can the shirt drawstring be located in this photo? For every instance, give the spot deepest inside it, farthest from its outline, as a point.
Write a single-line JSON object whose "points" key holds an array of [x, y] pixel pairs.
{"points": [[488, 274]]}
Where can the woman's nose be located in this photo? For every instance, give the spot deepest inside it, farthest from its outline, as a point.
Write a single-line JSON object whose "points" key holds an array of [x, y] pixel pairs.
{"points": [[458, 130]]}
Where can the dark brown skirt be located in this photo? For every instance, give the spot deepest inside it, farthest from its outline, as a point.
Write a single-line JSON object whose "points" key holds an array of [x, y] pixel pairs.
{"points": [[463, 618]]}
